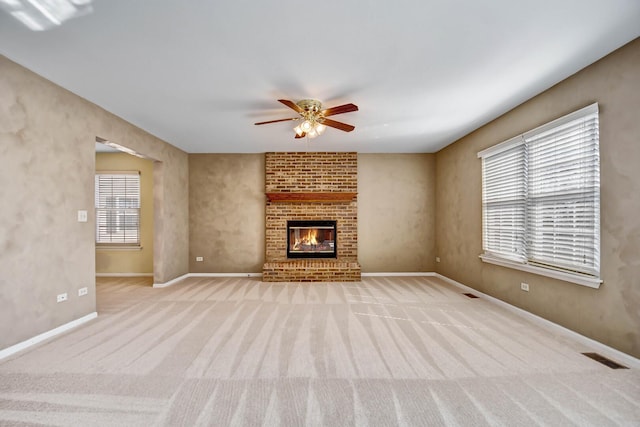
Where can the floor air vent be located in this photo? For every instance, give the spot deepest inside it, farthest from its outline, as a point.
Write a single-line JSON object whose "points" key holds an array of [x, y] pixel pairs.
{"points": [[470, 295], [610, 363]]}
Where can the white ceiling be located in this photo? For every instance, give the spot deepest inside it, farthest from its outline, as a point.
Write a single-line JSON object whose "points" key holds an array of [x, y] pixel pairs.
{"points": [[424, 73]]}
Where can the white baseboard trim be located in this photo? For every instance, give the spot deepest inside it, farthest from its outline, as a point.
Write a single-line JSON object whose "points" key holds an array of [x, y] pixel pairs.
{"points": [[46, 335], [224, 274], [605, 350], [170, 282], [124, 274], [185, 276], [396, 274]]}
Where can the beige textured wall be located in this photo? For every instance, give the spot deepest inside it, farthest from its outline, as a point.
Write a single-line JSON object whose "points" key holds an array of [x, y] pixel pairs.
{"points": [[47, 165], [610, 314], [128, 261], [226, 213], [396, 212]]}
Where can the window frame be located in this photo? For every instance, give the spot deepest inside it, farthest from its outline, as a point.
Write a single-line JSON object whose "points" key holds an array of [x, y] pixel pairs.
{"points": [[521, 260], [126, 205]]}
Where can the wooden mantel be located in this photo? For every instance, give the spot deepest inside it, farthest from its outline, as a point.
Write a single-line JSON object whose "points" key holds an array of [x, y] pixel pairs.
{"points": [[332, 197]]}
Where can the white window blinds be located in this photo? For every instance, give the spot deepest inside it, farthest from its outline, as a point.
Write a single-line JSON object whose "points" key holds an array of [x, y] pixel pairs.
{"points": [[505, 203], [117, 197], [541, 195]]}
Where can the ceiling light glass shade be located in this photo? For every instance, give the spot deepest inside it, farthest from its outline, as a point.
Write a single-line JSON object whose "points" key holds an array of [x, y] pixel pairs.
{"points": [[306, 126], [40, 15], [310, 127]]}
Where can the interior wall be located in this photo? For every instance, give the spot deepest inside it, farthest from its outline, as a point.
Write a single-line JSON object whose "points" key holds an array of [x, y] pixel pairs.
{"points": [[226, 213], [610, 314], [47, 166], [130, 261], [396, 212]]}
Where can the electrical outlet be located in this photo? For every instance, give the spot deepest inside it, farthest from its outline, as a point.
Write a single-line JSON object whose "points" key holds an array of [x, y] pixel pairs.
{"points": [[83, 291], [62, 297], [437, 259], [82, 216], [524, 286], [199, 258]]}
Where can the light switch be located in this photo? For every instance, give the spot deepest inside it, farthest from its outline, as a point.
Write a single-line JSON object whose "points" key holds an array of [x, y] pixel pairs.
{"points": [[82, 216]]}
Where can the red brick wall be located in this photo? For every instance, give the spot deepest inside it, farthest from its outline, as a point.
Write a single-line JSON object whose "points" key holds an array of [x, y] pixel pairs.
{"points": [[309, 173]]}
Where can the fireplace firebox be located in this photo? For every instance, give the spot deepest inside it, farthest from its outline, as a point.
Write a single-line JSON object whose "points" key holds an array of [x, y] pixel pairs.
{"points": [[311, 239]]}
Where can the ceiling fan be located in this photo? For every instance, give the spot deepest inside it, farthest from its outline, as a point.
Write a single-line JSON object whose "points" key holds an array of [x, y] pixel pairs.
{"points": [[314, 117]]}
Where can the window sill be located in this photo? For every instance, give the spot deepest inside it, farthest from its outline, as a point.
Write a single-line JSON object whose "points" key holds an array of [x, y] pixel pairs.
{"points": [[118, 248], [590, 282]]}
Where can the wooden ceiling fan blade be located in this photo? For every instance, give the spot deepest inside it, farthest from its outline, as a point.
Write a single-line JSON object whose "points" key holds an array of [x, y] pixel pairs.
{"points": [[338, 125], [291, 105], [302, 135], [276, 121], [340, 109]]}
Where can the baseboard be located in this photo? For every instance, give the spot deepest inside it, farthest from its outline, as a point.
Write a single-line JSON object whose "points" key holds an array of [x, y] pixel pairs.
{"points": [[224, 274], [396, 274], [46, 335], [612, 353], [170, 282], [124, 274], [185, 276]]}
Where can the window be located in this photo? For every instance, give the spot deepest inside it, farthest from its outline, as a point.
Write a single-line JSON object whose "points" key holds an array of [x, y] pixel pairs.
{"points": [[117, 208], [541, 200]]}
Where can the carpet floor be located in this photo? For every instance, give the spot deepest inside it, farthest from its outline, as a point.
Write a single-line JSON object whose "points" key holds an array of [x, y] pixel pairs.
{"points": [[387, 351]]}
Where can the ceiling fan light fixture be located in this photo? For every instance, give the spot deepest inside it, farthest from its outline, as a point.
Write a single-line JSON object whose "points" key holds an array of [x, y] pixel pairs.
{"points": [[306, 126], [313, 116]]}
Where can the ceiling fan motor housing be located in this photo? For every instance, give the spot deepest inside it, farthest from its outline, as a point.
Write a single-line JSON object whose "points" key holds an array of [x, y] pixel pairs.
{"points": [[310, 105]]}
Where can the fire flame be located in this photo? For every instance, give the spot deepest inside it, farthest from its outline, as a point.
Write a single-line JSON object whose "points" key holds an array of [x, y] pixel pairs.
{"points": [[309, 239], [311, 235]]}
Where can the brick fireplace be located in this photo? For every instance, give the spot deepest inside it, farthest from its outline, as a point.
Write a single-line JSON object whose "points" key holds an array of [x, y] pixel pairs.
{"points": [[311, 187]]}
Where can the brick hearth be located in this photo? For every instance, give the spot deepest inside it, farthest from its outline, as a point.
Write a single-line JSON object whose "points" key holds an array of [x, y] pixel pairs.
{"points": [[333, 177]]}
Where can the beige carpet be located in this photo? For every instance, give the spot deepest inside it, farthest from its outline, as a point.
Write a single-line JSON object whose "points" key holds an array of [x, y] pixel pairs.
{"points": [[384, 352]]}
